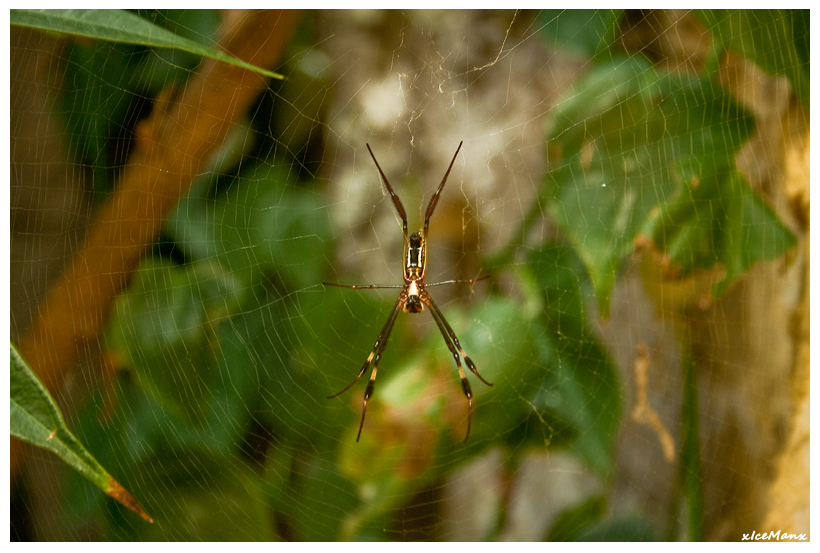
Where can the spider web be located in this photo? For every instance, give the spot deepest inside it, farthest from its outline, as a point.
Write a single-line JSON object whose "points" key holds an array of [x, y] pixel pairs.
{"points": [[637, 325]]}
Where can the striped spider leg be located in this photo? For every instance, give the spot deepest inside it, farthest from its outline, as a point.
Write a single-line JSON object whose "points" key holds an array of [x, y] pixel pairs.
{"points": [[414, 298]]}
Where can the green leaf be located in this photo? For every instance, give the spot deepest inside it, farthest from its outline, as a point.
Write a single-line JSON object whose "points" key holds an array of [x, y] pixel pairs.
{"points": [[107, 84], [164, 327], [120, 26], [775, 40], [264, 226], [641, 153], [574, 519], [581, 391], [584, 33], [165, 65], [36, 419], [505, 347]]}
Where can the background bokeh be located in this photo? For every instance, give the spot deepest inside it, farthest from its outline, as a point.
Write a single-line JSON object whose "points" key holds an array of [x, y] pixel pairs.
{"points": [[634, 184]]}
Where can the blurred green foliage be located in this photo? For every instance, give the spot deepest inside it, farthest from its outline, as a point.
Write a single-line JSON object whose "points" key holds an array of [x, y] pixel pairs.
{"points": [[581, 33], [109, 85], [777, 41], [221, 423], [642, 153]]}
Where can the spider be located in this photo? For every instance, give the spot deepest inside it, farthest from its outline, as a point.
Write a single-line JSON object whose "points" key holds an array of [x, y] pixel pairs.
{"points": [[413, 298]]}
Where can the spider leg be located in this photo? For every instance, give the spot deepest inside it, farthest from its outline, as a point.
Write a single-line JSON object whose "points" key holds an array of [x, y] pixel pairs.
{"points": [[366, 286], [434, 200], [443, 324], [470, 281], [375, 356], [465, 384], [393, 195], [452, 344]]}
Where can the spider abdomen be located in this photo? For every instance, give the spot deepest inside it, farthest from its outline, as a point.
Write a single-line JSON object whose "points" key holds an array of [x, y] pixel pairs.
{"points": [[413, 303]]}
